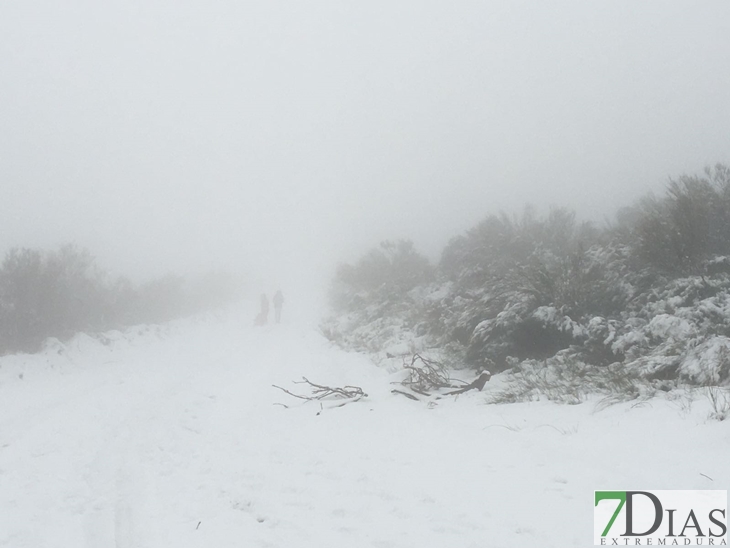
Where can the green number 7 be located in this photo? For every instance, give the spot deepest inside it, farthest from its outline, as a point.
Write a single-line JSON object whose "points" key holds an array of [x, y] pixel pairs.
{"points": [[617, 495]]}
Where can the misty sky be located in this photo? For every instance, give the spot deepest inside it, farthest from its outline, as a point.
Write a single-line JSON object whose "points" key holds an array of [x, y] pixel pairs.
{"points": [[286, 135]]}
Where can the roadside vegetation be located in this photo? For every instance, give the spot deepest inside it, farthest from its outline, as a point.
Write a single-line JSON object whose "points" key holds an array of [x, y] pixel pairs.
{"points": [[565, 307]]}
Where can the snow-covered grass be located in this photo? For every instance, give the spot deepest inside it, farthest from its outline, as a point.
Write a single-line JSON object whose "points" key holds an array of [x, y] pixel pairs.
{"points": [[719, 401], [571, 381], [169, 437]]}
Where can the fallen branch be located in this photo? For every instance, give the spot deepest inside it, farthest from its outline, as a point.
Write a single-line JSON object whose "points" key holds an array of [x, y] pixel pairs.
{"points": [[429, 375], [477, 384], [321, 392]]}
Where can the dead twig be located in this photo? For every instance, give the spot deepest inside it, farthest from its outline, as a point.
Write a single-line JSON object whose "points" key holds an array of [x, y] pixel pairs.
{"points": [[292, 393], [406, 394], [321, 392]]}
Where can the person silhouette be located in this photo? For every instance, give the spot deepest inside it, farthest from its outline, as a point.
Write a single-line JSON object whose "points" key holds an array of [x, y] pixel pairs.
{"points": [[278, 302]]}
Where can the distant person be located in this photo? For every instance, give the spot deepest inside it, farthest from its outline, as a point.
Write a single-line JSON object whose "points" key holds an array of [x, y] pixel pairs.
{"points": [[263, 316], [278, 302]]}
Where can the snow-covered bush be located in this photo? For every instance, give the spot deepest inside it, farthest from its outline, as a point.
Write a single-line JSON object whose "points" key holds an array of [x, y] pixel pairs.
{"points": [[510, 272], [650, 295], [565, 379], [378, 301], [678, 331]]}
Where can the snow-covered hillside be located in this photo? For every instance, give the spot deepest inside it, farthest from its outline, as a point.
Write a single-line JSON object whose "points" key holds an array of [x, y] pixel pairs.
{"points": [[170, 437]]}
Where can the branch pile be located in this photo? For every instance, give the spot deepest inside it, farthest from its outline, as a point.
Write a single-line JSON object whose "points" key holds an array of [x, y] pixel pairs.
{"points": [[429, 375], [426, 376]]}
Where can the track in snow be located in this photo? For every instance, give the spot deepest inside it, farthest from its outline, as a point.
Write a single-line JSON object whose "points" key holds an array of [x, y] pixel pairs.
{"points": [[171, 439]]}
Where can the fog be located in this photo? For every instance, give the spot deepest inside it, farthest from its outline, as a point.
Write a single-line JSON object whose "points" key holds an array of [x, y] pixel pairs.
{"points": [[280, 137]]}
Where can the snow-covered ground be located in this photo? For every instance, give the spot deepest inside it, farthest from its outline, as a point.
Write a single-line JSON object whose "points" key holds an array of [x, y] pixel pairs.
{"points": [[170, 437]]}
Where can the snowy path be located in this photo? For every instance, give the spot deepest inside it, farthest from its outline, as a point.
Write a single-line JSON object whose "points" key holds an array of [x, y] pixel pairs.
{"points": [[174, 441]]}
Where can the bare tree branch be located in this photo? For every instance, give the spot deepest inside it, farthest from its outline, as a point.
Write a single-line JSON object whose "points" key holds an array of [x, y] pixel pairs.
{"points": [[425, 374], [320, 392], [477, 384]]}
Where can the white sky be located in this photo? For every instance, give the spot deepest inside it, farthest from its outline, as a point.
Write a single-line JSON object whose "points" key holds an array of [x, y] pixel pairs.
{"points": [[282, 136]]}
